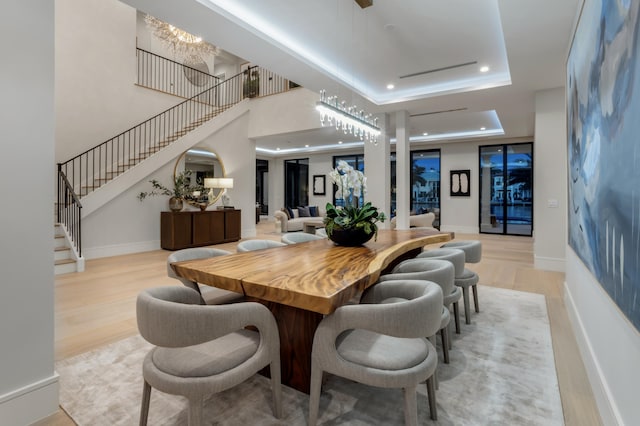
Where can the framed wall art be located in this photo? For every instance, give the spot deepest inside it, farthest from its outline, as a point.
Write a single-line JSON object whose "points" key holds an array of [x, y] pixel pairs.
{"points": [[319, 182], [459, 183]]}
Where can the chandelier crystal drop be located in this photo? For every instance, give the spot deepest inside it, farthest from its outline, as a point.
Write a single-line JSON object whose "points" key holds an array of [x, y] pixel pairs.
{"points": [[348, 119]]}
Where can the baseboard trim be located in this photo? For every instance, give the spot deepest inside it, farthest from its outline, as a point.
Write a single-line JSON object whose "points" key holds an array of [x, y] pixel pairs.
{"points": [[120, 249], [549, 263], [30, 403], [601, 392]]}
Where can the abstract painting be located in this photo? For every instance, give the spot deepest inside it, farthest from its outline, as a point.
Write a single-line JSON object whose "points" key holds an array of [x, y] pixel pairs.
{"points": [[603, 111]]}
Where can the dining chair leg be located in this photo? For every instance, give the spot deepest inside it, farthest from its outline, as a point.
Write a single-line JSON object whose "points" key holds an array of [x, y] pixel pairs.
{"points": [[444, 334], [475, 297], [431, 393], [195, 412], [456, 316], [314, 394], [276, 389], [144, 407], [467, 308], [410, 406]]}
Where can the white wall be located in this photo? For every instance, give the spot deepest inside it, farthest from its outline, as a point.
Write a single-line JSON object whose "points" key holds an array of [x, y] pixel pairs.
{"points": [[274, 114], [126, 225], [609, 343], [28, 382], [550, 185], [95, 75], [459, 214]]}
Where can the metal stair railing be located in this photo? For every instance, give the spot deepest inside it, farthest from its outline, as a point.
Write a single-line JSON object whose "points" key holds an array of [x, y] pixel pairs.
{"points": [[93, 168], [69, 211], [168, 76]]}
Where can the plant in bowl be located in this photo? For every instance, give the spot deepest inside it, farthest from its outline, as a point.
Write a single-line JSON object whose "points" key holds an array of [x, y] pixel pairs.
{"points": [[351, 224], [181, 191]]}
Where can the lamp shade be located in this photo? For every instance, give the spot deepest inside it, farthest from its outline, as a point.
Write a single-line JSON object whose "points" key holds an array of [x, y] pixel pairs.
{"points": [[218, 183]]}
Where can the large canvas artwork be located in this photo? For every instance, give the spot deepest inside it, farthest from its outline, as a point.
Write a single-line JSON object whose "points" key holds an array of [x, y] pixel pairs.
{"points": [[603, 101]]}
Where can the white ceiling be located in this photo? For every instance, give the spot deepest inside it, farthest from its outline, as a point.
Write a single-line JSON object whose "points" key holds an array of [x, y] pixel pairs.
{"points": [[354, 53]]}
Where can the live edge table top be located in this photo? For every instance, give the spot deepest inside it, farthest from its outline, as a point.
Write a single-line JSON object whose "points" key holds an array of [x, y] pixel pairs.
{"points": [[317, 276]]}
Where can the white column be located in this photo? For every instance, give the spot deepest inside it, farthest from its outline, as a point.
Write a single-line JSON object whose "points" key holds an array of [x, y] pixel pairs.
{"points": [[403, 170], [28, 381], [377, 169]]}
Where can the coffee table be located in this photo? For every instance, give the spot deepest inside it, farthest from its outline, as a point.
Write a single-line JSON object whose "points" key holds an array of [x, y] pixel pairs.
{"points": [[310, 226]]}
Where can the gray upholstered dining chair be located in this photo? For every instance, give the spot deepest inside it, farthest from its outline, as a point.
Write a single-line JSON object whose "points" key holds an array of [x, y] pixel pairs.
{"points": [[251, 245], [456, 257], [209, 295], [438, 271], [299, 237], [472, 254], [202, 350], [381, 344]]}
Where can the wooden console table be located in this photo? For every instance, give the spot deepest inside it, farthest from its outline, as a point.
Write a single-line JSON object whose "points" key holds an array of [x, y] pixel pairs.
{"points": [[302, 282], [180, 230]]}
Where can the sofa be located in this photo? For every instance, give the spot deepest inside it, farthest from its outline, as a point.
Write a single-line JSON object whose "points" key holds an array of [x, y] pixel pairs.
{"points": [[291, 221], [424, 220]]}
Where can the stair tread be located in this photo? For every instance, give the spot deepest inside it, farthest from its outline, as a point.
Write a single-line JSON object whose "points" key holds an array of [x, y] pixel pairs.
{"points": [[62, 248], [64, 261]]}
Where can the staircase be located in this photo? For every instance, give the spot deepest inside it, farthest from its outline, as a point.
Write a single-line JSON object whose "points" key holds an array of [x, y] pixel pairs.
{"points": [[64, 257], [97, 167]]}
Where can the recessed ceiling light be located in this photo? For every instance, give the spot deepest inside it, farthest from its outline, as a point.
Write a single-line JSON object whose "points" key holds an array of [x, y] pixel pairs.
{"points": [[390, 86], [339, 142], [484, 69], [483, 128], [278, 149], [306, 146], [425, 134]]}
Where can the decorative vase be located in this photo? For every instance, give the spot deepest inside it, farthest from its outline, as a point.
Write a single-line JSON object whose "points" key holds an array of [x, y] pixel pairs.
{"points": [[350, 237], [175, 204]]}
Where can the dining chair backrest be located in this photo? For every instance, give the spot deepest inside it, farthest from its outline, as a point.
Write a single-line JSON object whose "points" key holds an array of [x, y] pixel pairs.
{"points": [[251, 245], [299, 237]]}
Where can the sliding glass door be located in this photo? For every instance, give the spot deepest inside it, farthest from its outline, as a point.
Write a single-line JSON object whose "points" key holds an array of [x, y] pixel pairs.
{"points": [[425, 183], [506, 189], [296, 184]]}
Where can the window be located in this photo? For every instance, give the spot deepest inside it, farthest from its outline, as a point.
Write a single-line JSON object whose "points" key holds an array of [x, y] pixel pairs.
{"points": [[506, 189], [296, 182], [425, 183]]}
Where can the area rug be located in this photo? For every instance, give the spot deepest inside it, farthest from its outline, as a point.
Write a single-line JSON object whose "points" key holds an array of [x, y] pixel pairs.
{"points": [[502, 372]]}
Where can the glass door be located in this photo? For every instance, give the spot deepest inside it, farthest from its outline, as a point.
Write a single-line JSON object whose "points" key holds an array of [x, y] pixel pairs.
{"points": [[425, 183], [296, 184], [506, 189]]}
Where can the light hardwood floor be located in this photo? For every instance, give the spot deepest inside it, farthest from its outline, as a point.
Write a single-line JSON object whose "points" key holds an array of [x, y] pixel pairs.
{"points": [[97, 307]]}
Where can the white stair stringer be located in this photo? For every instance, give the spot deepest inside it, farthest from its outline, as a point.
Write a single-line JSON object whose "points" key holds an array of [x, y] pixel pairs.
{"points": [[107, 192], [66, 258]]}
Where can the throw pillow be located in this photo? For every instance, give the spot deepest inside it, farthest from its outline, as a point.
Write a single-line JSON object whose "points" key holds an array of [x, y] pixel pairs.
{"points": [[303, 211], [313, 211], [285, 211], [290, 212]]}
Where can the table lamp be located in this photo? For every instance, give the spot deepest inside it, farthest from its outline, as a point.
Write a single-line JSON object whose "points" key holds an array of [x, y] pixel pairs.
{"points": [[220, 183]]}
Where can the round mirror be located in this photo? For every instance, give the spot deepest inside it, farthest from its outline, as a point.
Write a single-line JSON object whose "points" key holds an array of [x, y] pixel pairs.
{"points": [[203, 164]]}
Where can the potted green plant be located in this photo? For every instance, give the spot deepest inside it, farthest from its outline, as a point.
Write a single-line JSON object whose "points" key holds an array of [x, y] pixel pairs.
{"points": [[251, 84], [181, 191], [351, 225]]}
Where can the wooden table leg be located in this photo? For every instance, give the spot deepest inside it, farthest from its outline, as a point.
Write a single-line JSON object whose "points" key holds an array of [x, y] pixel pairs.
{"points": [[297, 328]]}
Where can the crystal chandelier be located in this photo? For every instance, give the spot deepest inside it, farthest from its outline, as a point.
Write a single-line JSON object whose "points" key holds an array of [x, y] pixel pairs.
{"points": [[181, 42], [349, 119]]}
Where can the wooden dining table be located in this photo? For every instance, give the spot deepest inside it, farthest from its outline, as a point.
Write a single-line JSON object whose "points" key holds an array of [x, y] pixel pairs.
{"points": [[301, 283]]}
